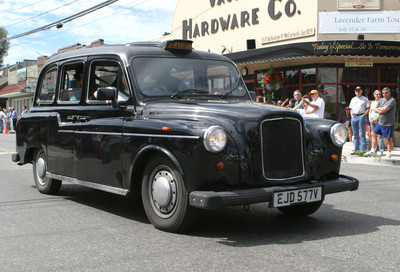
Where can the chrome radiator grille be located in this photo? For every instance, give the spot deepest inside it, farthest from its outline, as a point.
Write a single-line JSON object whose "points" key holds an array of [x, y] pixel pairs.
{"points": [[282, 148]]}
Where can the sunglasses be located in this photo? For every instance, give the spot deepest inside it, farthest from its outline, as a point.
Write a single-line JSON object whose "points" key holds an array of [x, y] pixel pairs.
{"points": [[358, 90], [378, 94], [385, 92]]}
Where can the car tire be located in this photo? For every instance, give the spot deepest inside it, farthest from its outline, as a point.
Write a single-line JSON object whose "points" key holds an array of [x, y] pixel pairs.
{"points": [[44, 184], [164, 196], [301, 210]]}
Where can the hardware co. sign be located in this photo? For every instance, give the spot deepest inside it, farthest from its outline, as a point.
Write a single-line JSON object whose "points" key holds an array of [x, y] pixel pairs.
{"points": [[275, 10]]}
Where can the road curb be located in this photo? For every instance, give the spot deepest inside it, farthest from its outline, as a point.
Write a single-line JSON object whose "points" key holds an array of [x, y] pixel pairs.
{"points": [[370, 160]]}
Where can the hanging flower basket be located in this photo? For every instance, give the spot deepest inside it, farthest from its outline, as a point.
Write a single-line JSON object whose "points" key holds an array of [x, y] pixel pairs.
{"points": [[271, 82]]}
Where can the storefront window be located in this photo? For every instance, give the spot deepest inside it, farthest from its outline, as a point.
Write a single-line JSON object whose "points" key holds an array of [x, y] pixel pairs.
{"points": [[342, 103], [348, 75], [329, 94], [292, 77], [337, 84], [368, 75], [308, 76], [389, 75], [327, 75]]}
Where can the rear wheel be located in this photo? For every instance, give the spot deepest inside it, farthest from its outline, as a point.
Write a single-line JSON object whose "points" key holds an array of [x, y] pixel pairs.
{"points": [[43, 183], [164, 196], [301, 210]]}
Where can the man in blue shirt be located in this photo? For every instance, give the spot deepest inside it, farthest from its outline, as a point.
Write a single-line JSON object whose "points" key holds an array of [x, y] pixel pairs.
{"points": [[14, 118]]}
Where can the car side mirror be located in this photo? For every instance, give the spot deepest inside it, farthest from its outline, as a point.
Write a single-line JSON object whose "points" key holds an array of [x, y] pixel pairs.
{"points": [[109, 93]]}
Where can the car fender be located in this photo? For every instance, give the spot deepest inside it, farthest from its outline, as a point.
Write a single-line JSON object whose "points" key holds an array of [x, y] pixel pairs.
{"points": [[141, 159]]}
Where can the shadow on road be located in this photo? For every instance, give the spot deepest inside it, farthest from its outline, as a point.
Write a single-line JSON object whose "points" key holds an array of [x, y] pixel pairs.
{"points": [[127, 207], [261, 226], [239, 228]]}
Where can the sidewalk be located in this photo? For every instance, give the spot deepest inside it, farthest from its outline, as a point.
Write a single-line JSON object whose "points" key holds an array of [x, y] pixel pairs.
{"points": [[347, 158]]}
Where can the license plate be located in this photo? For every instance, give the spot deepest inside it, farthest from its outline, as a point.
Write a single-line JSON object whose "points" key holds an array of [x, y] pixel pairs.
{"points": [[288, 198]]}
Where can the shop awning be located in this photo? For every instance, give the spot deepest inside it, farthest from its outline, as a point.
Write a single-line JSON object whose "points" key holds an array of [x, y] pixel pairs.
{"points": [[317, 49], [12, 89]]}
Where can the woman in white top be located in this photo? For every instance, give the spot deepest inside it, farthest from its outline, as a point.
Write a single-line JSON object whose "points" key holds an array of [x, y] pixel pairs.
{"points": [[373, 119]]}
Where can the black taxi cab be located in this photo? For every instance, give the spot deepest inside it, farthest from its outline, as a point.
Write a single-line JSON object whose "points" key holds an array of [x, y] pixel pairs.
{"points": [[177, 127]]}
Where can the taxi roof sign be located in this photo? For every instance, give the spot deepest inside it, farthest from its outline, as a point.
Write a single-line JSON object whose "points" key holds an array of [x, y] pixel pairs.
{"points": [[177, 45]]}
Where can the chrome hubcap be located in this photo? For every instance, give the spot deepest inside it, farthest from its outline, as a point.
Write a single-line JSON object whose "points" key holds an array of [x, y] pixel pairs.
{"points": [[163, 193], [41, 170]]}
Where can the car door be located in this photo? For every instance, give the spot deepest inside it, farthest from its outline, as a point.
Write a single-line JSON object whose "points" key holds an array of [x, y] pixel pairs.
{"points": [[98, 138], [62, 124]]}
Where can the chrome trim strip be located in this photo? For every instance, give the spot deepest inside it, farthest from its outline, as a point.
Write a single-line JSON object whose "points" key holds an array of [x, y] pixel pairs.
{"points": [[130, 134], [161, 136], [98, 133], [101, 187], [302, 148]]}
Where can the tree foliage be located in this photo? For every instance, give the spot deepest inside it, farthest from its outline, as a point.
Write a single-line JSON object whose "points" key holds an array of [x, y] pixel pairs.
{"points": [[4, 44]]}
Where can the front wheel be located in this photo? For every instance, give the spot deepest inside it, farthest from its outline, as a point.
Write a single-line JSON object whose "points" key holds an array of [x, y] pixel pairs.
{"points": [[164, 196], [301, 210], [44, 184]]}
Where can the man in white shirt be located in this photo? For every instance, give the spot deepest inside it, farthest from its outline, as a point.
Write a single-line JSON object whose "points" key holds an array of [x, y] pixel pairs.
{"points": [[316, 107], [359, 106]]}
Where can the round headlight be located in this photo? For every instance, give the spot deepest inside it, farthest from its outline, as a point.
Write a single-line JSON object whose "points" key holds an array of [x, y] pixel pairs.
{"points": [[215, 139], [339, 134]]}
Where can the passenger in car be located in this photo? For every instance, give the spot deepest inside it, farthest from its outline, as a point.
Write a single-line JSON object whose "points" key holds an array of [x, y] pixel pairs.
{"points": [[74, 90], [76, 82]]}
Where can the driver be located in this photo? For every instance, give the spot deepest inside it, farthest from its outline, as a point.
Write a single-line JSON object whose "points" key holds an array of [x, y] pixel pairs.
{"points": [[160, 79]]}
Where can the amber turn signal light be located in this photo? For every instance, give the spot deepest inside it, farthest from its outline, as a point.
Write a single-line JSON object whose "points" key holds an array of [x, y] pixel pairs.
{"points": [[334, 158], [220, 166]]}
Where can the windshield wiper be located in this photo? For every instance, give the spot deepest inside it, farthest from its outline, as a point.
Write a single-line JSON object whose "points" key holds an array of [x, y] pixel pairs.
{"points": [[232, 90], [189, 92]]}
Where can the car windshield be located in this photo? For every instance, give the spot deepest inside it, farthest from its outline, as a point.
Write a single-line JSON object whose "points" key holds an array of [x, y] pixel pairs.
{"points": [[188, 78]]}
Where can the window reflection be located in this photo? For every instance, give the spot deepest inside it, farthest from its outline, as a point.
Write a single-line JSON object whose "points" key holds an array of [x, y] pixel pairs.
{"points": [[292, 77], [308, 76], [389, 75], [368, 75]]}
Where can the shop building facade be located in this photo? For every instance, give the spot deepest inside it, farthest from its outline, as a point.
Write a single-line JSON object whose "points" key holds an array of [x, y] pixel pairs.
{"points": [[332, 46], [19, 85]]}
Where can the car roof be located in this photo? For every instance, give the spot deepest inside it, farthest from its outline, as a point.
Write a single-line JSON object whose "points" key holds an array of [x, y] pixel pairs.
{"points": [[130, 50]]}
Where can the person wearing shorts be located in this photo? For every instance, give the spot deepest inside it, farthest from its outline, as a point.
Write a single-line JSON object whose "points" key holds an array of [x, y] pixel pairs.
{"points": [[387, 117]]}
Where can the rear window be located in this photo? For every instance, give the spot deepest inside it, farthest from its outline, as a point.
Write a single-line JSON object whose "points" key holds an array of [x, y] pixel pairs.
{"points": [[71, 83]]}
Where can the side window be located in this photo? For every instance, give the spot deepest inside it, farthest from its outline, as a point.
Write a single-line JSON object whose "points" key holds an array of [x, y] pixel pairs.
{"points": [[71, 82], [106, 74], [48, 87]]}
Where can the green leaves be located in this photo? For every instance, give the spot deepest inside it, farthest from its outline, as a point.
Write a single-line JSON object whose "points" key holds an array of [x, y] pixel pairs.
{"points": [[4, 44]]}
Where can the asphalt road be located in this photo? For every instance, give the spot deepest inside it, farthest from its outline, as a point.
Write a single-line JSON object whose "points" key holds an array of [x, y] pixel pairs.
{"points": [[86, 230]]}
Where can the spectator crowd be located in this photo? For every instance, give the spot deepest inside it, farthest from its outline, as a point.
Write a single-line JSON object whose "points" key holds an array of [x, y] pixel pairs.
{"points": [[370, 125], [8, 119]]}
